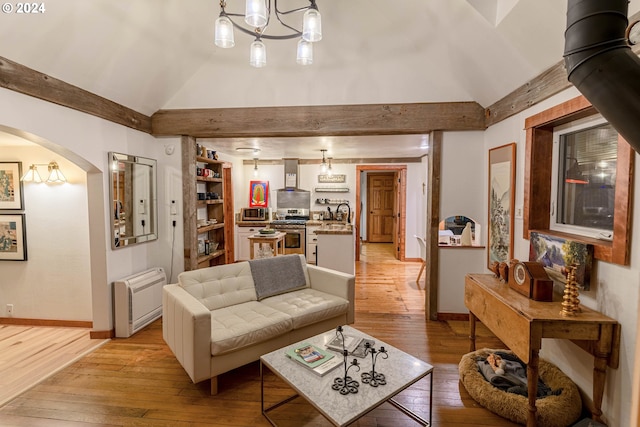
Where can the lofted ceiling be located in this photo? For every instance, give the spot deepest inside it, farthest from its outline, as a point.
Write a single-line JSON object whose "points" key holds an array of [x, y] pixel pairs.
{"points": [[150, 55]]}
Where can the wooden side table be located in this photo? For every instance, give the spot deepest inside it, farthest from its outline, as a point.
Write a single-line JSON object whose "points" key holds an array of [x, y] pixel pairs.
{"points": [[521, 324], [275, 240]]}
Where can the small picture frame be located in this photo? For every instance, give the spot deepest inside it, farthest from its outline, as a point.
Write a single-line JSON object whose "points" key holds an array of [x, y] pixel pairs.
{"points": [[13, 237], [11, 195], [259, 194]]}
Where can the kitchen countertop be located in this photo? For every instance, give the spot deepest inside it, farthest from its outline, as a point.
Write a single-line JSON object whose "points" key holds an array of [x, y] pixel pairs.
{"points": [[252, 223], [335, 228]]}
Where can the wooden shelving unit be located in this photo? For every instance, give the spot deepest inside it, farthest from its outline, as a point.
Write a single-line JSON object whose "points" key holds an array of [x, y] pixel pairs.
{"points": [[195, 208]]}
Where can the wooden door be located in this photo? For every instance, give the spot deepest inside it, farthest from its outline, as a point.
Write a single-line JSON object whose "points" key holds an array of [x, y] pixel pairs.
{"points": [[380, 204]]}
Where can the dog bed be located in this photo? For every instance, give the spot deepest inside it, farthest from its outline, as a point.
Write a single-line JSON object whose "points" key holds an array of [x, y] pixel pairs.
{"points": [[552, 411]]}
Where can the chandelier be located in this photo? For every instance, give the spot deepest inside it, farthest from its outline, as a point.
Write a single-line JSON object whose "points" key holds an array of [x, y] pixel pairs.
{"points": [[257, 16]]}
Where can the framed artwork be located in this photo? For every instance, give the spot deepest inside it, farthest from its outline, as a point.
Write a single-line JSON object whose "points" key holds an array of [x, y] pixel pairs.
{"points": [[502, 178], [13, 238], [259, 194], [10, 186], [557, 253]]}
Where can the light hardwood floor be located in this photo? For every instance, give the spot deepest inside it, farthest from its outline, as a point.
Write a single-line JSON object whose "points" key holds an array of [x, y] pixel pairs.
{"points": [[138, 382]]}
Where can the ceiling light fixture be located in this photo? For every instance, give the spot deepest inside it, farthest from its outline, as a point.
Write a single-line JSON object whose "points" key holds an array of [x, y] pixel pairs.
{"points": [[252, 149], [257, 15], [323, 165], [55, 175]]}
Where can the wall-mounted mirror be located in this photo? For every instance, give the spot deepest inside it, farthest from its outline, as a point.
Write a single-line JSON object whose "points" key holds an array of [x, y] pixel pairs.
{"points": [[133, 194]]}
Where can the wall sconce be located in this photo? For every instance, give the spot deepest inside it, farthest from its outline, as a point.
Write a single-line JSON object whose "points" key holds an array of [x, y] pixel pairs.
{"points": [[55, 175], [255, 167], [329, 170]]}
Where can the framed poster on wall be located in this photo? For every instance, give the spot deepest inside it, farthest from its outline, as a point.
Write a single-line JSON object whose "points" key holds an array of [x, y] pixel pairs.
{"points": [[259, 194], [10, 186], [502, 179], [13, 238]]}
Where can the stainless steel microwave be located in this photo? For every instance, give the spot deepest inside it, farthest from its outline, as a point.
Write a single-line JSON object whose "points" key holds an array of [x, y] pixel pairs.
{"points": [[254, 214]]}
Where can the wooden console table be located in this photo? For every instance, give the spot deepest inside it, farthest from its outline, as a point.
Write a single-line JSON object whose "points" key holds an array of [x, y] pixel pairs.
{"points": [[521, 323]]}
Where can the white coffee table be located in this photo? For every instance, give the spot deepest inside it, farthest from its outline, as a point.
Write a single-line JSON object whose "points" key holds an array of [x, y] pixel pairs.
{"points": [[400, 369]]}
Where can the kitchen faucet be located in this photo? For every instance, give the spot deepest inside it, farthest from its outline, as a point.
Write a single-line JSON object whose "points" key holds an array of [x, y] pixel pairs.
{"points": [[348, 212]]}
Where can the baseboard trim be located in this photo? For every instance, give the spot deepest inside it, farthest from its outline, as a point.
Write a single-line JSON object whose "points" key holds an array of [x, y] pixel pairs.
{"points": [[45, 322], [413, 259], [443, 317], [102, 335]]}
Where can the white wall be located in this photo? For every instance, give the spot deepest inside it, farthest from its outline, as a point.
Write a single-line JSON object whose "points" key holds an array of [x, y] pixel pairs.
{"points": [[85, 141], [615, 291], [463, 179], [55, 281]]}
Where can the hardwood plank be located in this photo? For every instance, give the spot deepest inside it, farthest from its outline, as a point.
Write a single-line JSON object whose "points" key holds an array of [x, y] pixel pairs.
{"points": [[320, 120]]}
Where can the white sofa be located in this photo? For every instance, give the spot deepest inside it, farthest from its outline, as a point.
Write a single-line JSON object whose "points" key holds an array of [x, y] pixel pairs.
{"points": [[219, 318]]}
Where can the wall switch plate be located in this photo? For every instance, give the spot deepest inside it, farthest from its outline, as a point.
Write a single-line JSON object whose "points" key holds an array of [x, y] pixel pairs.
{"points": [[9, 310], [519, 210]]}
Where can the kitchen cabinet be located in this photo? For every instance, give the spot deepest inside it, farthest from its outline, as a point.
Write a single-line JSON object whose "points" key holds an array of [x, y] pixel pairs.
{"points": [[336, 251], [312, 240], [204, 208], [243, 244]]}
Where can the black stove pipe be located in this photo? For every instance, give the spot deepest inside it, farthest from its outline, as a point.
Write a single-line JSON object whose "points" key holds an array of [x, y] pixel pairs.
{"points": [[602, 66]]}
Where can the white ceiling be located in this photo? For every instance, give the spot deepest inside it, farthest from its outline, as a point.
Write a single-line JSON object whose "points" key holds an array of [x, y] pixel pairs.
{"points": [[149, 55]]}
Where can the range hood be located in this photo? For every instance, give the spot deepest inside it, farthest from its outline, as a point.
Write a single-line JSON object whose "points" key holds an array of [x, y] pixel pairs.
{"points": [[291, 196]]}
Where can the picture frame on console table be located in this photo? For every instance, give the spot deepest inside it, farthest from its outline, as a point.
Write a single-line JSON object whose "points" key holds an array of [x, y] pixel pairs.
{"points": [[13, 237], [501, 185], [557, 254], [259, 194], [11, 196]]}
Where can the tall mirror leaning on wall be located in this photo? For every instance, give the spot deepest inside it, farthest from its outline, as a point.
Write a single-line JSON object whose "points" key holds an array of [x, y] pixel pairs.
{"points": [[133, 207]]}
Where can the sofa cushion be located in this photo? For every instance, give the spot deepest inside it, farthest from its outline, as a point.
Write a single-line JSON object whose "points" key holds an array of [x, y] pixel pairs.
{"points": [[308, 306], [277, 275], [242, 325], [220, 286]]}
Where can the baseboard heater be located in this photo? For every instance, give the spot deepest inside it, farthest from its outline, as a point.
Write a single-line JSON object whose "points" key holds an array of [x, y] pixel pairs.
{"points": [[138, 301]]}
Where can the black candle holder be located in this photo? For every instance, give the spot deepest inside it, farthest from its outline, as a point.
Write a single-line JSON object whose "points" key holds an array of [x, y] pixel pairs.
{"points": [[372, 377], [346, 385]]}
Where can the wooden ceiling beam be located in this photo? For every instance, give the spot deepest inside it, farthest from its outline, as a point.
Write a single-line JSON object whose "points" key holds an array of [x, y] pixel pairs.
{"points": [[548, 83], [329, 120], [30, 82]]}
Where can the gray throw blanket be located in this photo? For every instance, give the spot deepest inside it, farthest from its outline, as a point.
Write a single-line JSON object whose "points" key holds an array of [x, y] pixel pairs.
{"points": [[514, 379], [277, 275]]}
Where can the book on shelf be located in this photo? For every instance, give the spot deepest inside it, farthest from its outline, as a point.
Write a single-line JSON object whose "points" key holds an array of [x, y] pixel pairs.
{"points": [[350, 343], [309, 355]]}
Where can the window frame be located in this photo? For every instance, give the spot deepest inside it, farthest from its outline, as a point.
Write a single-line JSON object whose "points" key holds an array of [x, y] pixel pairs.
{"points": [[537, 187]]}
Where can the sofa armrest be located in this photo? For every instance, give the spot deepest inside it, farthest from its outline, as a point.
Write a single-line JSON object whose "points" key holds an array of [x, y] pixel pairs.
{"points": [[335, 283], [186, 328]]}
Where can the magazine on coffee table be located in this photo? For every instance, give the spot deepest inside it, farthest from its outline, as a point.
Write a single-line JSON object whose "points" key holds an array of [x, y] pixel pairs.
{"points": [[318, 361], [361, 350], [350, 343], [309, 355]]}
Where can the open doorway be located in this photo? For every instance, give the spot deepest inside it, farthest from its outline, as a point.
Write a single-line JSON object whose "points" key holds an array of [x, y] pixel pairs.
{"points": [[384, 218]]}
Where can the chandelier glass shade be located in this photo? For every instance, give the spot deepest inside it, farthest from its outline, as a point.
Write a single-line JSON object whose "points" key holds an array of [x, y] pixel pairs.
{"points": [[257, 17]]}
